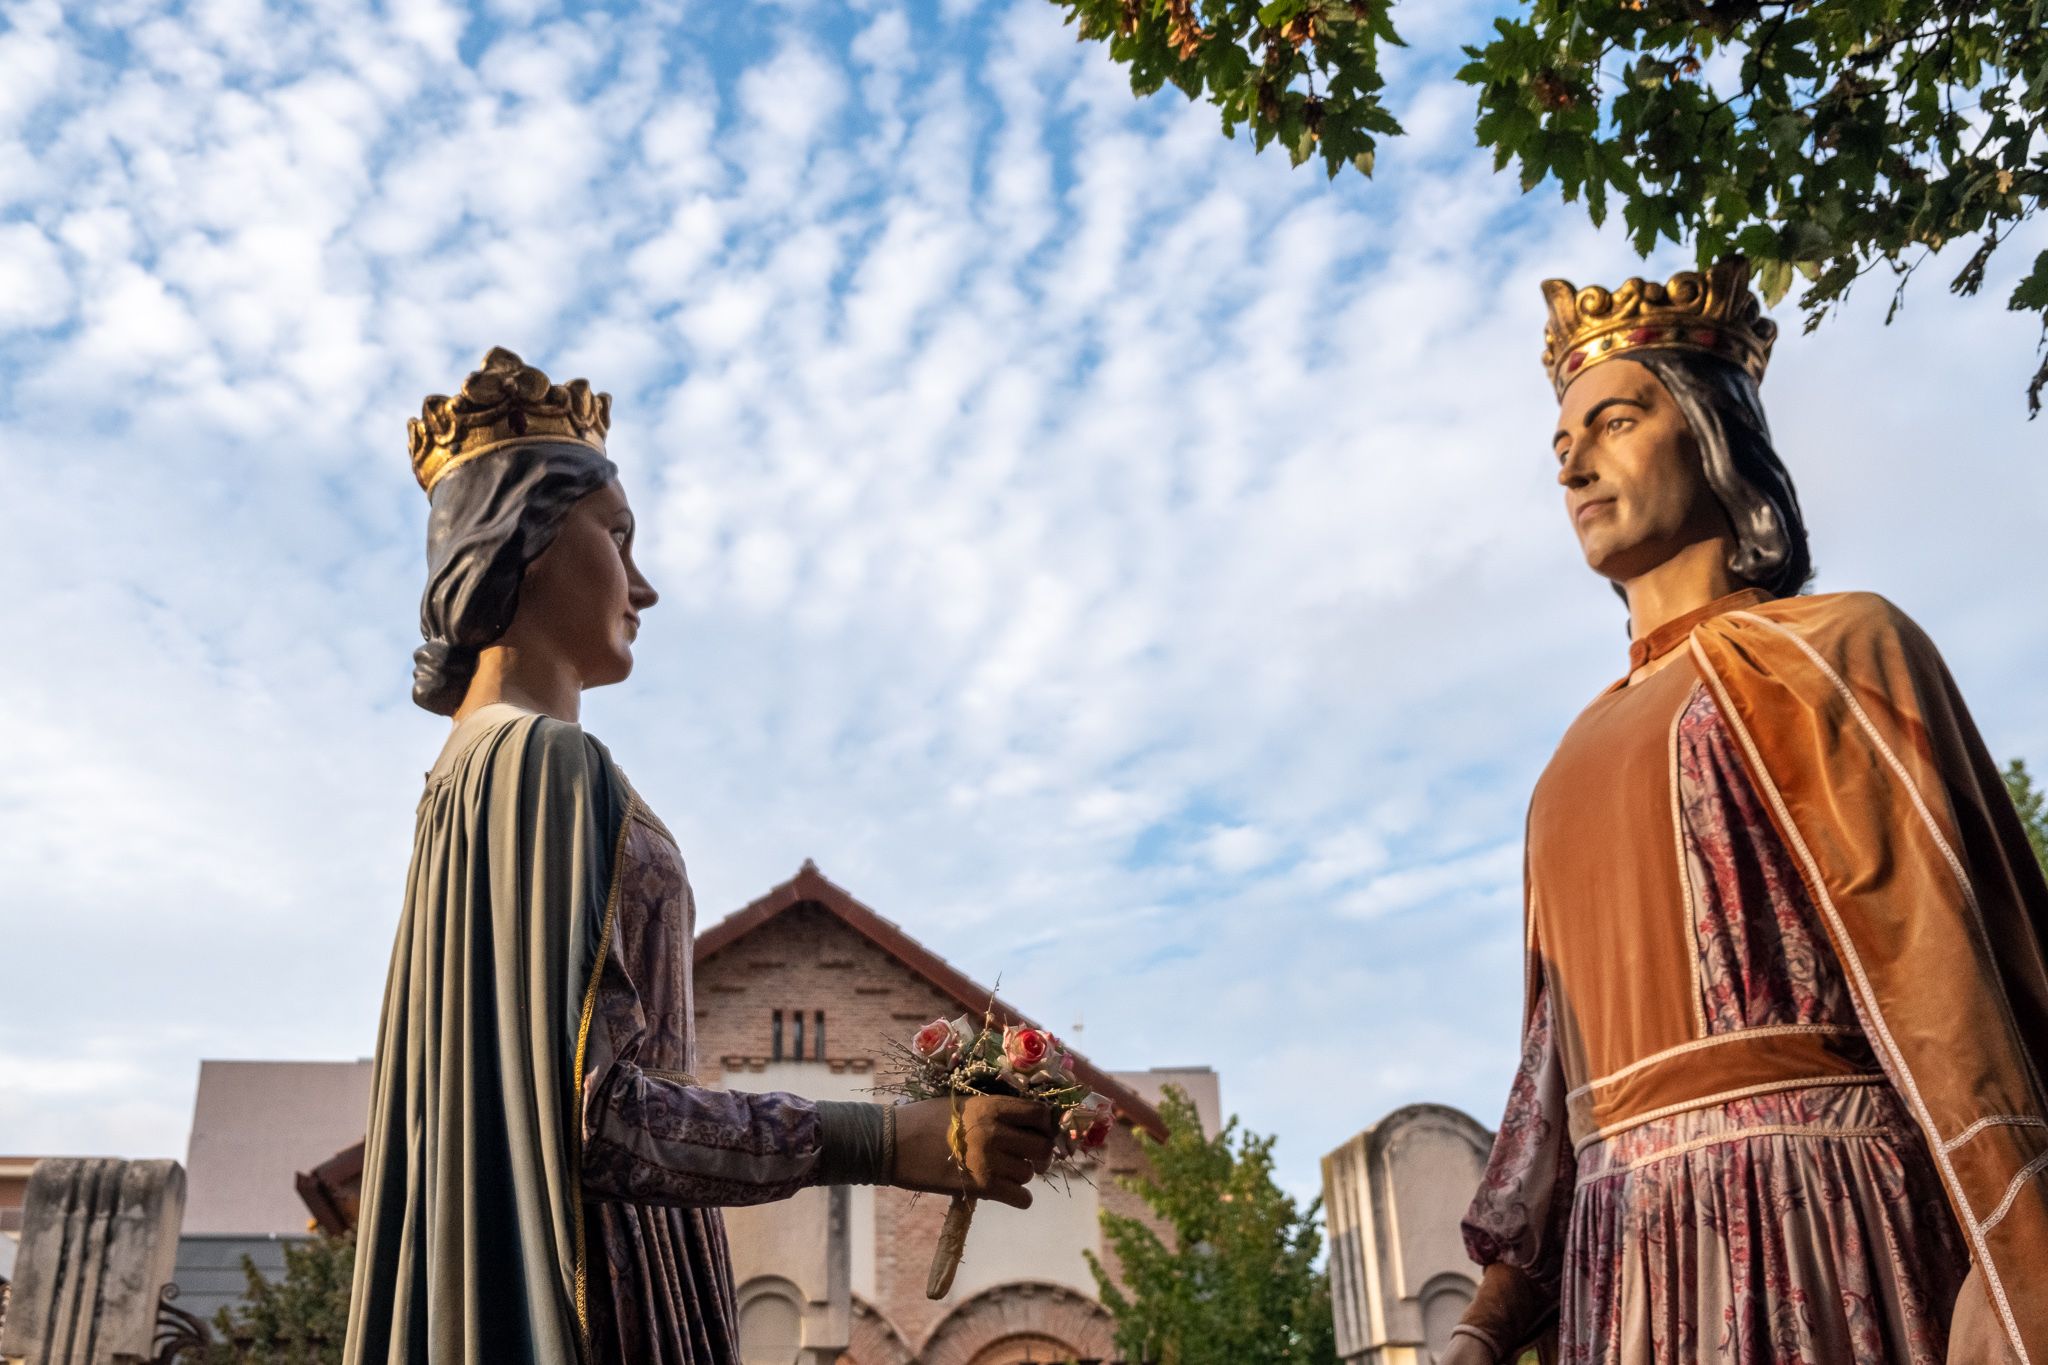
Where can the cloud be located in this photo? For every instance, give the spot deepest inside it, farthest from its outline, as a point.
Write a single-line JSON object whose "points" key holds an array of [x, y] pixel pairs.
{"points": [[1127, 563], [35, 290]]}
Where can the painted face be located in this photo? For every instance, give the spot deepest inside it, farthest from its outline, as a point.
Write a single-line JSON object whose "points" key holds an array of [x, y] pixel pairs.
{"points": [[582, 598], [1630, 469]]}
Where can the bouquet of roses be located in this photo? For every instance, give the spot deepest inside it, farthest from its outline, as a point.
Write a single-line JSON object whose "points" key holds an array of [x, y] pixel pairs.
{"points": [[953, 1059]]}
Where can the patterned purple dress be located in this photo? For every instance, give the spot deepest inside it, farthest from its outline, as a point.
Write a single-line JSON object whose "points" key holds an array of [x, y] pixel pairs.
{"points": [[1800, 1224], [661, 1153]]}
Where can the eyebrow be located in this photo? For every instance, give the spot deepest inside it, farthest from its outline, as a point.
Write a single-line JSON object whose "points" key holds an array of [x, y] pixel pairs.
{"points": [[1598, 408]]}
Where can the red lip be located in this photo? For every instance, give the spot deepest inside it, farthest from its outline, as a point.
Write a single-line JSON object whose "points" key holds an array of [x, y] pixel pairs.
{"points": [[633, 620], [1579, 513]]}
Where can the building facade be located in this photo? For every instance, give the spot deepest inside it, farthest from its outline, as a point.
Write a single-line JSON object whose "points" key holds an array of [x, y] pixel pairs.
{"points": [[799, 991]]}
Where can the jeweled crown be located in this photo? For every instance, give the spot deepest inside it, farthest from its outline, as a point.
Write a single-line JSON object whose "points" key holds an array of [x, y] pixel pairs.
{"points": [[505, 403], [1710, 311]]}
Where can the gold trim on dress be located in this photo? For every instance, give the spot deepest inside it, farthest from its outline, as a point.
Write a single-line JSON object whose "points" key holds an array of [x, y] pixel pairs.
{"points": [[604, 943], [2012, 1191], [1993, 1121]]}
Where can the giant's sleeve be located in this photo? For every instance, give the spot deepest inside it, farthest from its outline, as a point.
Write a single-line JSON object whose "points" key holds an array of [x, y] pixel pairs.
{"points": [[657, 1137], [1515, 1227], [1876, 778]]}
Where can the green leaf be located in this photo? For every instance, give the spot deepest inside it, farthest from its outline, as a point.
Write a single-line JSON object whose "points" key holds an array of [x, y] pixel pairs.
{"points": [[2031, 294], [1774, 280]]}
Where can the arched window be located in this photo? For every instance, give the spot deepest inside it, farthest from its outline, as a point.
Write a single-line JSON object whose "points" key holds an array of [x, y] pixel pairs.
{"points": [[1029, 1348], [771, 1324], [1444, 1301]]}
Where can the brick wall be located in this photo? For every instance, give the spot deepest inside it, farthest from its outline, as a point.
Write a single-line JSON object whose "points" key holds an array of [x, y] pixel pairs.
{"points": [[805, 960]]}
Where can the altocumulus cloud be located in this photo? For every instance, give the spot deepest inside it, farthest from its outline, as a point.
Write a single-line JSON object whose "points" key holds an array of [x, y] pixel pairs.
{"points": [[1129, 564]]}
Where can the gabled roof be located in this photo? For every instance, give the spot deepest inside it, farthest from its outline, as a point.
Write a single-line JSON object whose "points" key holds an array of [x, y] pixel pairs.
{"points": [[811, 887]]}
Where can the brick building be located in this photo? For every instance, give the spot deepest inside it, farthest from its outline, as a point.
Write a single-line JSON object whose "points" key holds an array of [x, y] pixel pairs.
{"points": [[798, 992]]}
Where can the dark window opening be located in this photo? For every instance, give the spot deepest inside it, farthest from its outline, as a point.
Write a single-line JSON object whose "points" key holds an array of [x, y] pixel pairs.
{"points": [[818, 1040], [775, 1041], [797, 1018]]}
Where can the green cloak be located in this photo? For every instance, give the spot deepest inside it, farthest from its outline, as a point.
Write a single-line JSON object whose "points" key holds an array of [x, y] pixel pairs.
{"points": [[470, 1241]]}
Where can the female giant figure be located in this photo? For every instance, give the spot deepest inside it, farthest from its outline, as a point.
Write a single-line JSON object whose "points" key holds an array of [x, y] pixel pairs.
{"points": [[1780, 1096], [542, 1175]]}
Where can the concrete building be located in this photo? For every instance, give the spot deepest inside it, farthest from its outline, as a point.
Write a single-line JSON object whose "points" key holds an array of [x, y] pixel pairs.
{"points": [[255, 1125]]}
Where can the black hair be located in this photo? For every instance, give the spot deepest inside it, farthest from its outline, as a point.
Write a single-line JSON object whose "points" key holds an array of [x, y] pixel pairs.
{"points": [[488, 520], [1742, 467]]}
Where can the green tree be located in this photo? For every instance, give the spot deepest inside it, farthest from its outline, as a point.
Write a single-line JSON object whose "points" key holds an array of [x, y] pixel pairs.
{"points": [[297, 1320], [1235, 1281], [2033, 808], [1822, 138]]}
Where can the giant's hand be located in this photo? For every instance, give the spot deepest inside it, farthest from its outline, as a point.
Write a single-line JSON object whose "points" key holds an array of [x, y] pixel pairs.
{"points": [[1008, 1142]]}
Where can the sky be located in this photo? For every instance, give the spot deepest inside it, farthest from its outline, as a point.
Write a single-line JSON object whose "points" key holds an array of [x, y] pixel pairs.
{"points": [[1131, 564]]}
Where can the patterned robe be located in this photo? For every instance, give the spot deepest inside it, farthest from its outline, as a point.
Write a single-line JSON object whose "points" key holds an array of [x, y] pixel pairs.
{"points": [[1786, 993], [662, 1154], [1804, 1223]]}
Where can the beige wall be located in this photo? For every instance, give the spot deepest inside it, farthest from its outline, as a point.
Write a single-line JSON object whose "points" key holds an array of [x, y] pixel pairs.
{"points": [[255, 1126], [1199, 1082], [759, 1233], [1043, 1243]]}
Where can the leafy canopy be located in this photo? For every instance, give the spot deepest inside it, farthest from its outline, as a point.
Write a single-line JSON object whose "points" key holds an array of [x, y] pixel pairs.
{"points": [[1234, 1279], [1822, 138]]}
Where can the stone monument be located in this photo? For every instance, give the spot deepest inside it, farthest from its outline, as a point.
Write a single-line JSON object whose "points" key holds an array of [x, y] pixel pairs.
{"points": [[1394, 1196], [99, 1240]]}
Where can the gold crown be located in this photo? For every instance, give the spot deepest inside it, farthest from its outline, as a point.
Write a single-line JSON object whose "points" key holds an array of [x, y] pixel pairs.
{"points": [[1711, 311], [505, 403]]}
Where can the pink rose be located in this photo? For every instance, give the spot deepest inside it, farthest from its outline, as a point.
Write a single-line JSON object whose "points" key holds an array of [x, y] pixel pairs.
{"points": [[1087, 1124], [1057, 1073], [1027, 1050], [936, 1042]]}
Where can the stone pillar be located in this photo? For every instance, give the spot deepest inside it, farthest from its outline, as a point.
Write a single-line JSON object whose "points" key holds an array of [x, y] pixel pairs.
{"points": [[1394, 1196], [791, 1265], [99, 1241]]}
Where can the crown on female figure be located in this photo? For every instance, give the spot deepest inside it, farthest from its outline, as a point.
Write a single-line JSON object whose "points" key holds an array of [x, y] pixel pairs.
{"points": [[1710, 311], [507, 402]]}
